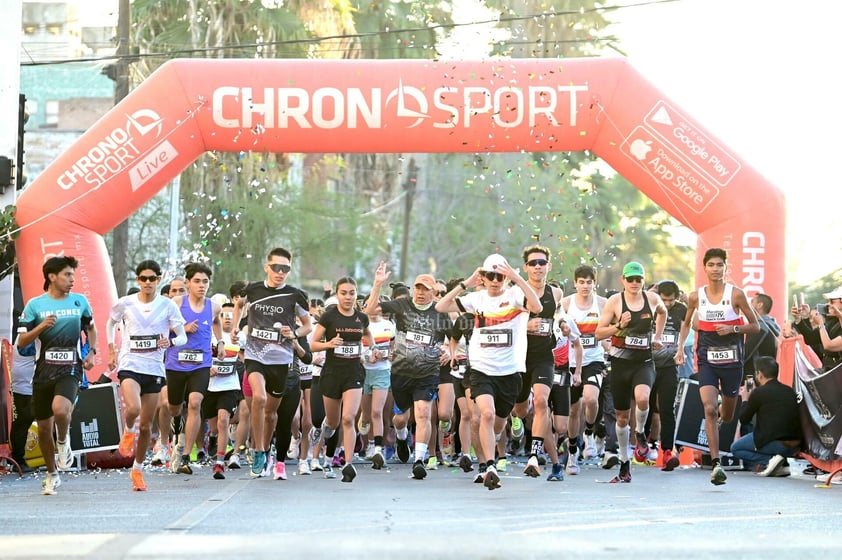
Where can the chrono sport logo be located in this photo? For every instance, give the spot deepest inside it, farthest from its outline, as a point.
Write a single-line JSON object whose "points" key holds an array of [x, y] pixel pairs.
{"points": [[113, 153]]}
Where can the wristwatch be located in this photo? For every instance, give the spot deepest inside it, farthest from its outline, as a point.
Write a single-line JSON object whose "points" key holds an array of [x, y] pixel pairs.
{"points": [[737, 329]]}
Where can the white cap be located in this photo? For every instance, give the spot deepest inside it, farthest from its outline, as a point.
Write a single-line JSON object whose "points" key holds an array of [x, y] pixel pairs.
{"points": [[835, 294], [492, 262]]}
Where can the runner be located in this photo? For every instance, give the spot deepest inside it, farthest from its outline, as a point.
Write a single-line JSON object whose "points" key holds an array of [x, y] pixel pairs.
{"points": [[540, 366], [584, 309], [497, 349], [340, 333], [719, 349], [188, 368], [627, 318], [416, 362], [54, 321], [146, 319], [272, 307]]}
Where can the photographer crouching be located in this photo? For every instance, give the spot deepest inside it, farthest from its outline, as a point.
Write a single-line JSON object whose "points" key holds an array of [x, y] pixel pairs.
{"points": [[777, 433]]}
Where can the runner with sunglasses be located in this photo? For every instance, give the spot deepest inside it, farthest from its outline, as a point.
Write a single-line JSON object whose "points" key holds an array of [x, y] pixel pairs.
{"points": [[497, 349], [273, 306], [627, 318], [540, 362], [146, 320]]}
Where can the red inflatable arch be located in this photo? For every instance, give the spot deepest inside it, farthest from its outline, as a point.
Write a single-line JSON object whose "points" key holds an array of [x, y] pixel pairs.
{"points": [[409, 106]]}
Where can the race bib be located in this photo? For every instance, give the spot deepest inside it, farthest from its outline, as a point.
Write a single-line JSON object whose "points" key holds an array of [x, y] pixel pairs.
{"points": [[669, 338], [225, 368], [637, 342], [143, 343], [305, 369], [545, 328], [419, 338], [349, 351], [494, 338], [60, 356], [719, 355], [588, 340], [266, 335], [191, 356], [384, 351]]}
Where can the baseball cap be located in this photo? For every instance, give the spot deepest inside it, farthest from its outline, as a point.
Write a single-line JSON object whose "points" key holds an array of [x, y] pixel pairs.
{"points": [[492, 262], [835, 294], [426, 280], [633, 269]]}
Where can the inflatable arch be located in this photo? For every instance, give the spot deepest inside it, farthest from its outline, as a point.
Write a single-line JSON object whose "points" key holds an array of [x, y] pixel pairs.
{"points": [[410, 106]]}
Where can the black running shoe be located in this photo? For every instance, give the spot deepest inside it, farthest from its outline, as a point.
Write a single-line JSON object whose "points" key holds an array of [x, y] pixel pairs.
{"points": [[418, 471], [403, 450]]}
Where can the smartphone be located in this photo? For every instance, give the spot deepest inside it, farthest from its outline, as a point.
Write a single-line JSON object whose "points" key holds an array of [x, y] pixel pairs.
{"points": [[822, 309]]}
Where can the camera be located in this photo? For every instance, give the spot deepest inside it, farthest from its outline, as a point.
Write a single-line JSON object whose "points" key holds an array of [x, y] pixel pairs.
{"points": [[822, 309]]}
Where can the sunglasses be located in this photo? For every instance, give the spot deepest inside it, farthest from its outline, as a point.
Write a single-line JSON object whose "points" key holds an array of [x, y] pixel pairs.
{"points": [[493, 276], [147, 278], [635, 279], [280, 268], [537, 262]]}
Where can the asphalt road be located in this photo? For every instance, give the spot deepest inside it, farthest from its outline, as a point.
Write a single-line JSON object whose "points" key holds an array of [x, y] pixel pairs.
{"points": [[385, 514]]}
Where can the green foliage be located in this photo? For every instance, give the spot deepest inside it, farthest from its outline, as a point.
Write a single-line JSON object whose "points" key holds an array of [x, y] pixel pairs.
{"points": [[8, 233]]}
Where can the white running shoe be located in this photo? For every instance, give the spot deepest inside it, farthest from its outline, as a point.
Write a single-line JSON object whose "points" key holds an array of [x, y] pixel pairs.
{"points": [[572, 465], [823, 478], [50, 484], [65, 454], [590, 451], [315, 466], [234, 461], [292, 452], [160, 455], [304, 467]]}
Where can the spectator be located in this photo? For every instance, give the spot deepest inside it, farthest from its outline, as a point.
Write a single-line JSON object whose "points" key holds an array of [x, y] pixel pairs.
{"points": [[825, 338], [764, 342], [777, 426], [23, 368]]}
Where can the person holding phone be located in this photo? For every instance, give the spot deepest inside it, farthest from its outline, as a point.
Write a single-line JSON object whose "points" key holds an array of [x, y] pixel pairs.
{"points": [[826, 337]]}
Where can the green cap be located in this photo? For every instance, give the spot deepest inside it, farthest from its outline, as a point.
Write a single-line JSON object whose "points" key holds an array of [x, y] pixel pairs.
{"points": [[633, 269]]}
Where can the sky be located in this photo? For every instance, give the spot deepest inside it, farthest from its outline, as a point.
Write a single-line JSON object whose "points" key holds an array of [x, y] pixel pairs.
{"points": [[762, 76]]}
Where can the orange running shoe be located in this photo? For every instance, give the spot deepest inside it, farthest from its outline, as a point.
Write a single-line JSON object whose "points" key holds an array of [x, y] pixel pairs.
{"points": [[127, 444], [138, 485]]}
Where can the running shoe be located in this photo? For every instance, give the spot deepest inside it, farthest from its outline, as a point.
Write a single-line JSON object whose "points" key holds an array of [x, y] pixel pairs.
{"points": [[315, 466], [329, 472], [418, 471], [184, 467], [641, 450], [557, 474], [280, 471], [479, 478], [50, 484], [315, 436], [652, 455], [432, 463], [402, 450], [269, 469], [532, 468], [491, 480], [349, 473], [517, 428], [590, 447], [292, 451], [466, 464], [369, 451], [600, 446], [572, 465], [338, 459], [377, 460], [718, 476], [363, 427], [234, 461], [160, 454], [304, 467], [502, 464], [259, 464], [625, 473], [610, 460], [138, 484], [175, 457], [127, 442], [670, 461], [219, 471], [65, 455]]}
